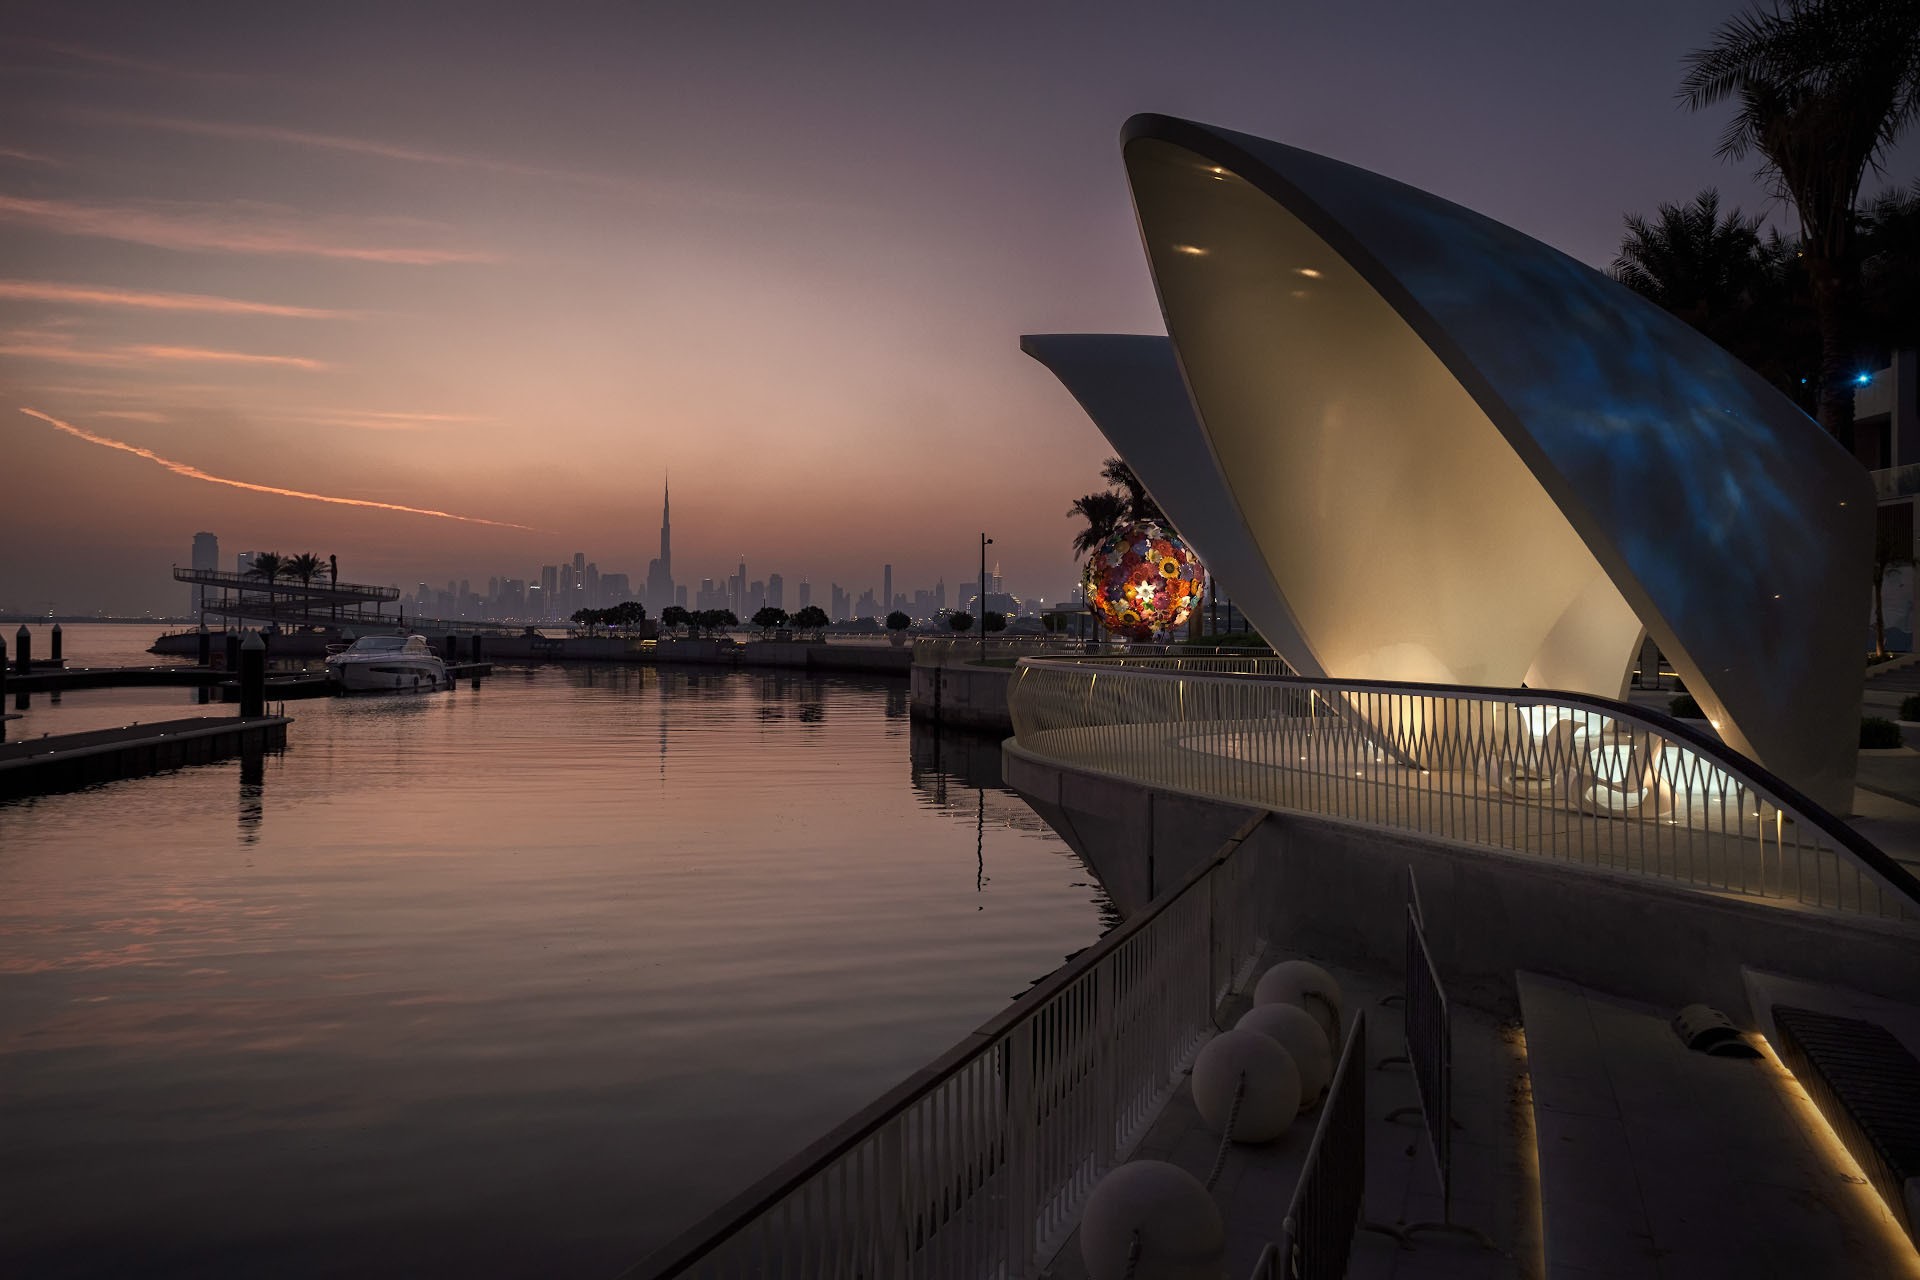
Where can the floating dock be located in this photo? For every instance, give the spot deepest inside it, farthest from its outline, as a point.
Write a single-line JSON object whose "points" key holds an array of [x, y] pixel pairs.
{"points": [[38, 766]]}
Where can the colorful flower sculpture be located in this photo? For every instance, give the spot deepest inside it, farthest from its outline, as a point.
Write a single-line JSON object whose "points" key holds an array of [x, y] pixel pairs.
{"points": [[1143, 580]]}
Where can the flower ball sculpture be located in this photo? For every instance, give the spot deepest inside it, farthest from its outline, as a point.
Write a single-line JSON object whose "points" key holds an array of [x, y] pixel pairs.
{"points": [[1143, 580]]}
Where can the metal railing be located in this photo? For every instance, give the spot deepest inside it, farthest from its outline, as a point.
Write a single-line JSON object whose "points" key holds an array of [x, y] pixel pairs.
{"points": [[322, 586], [979, 1164], [947, 651], [1562, 776], [1329, 1201]]}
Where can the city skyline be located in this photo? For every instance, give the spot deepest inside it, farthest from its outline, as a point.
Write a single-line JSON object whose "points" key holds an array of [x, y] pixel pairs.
{"points": [[467, 277]]}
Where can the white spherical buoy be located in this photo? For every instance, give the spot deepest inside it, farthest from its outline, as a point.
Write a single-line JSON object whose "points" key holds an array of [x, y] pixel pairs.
{"points": [[1271, 1097], [1307, 985], [1179, 1227], [1304, 1039]]}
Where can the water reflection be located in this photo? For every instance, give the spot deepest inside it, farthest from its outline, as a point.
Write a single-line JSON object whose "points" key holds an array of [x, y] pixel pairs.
{"points": [[492, 993]]}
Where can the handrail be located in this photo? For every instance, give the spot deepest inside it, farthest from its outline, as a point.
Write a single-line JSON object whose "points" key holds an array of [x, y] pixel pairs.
{"points": [[253, 582], [1442, 720], [702, 1240]]}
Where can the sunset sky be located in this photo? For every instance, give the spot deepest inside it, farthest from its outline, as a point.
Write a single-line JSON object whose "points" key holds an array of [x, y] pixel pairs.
{"points": [[514, 262]]}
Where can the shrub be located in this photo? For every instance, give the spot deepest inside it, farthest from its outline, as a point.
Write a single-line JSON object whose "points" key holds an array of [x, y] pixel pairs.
{"points": [[898, 621], [1878, 734], [1684, 707], [960, 620], [1910, 707]]}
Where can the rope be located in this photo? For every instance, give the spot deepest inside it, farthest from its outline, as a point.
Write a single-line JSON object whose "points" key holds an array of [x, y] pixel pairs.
{"points": [[1133, 1255], [1226, 1139]]}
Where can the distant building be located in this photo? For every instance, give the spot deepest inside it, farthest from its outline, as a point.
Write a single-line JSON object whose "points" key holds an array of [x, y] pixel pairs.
{"points": [[660, 588], [868, 607], [776, 591], [243, 563], [841, 605], [806, 593], [886, 589], [614, 589], [680, 596], [206, 558]]}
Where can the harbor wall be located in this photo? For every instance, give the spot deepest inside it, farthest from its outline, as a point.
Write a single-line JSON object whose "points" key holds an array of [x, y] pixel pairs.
{"points": [[966, 695]]}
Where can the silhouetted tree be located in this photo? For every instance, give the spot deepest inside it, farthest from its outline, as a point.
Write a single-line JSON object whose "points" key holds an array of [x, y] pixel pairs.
{"points": [[1717, 273], [898, 621], [1140, 503], [269, 567], [628, 614], [1104, 512], [993, 621], [960, 620], [812, 619], [712, 620], [768, 618], [1821, 89], [306, 566], [676, 617]]}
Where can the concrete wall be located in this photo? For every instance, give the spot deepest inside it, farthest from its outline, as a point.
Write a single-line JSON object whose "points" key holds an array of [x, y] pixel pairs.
{"points": [[967, 695], [1488, 914]]}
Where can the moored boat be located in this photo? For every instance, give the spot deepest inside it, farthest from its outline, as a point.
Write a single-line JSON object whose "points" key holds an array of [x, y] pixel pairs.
{"points": [[387, 664]]}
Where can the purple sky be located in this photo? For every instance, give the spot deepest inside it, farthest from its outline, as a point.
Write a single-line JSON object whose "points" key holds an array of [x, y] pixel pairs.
{"points": [[514, 262]]}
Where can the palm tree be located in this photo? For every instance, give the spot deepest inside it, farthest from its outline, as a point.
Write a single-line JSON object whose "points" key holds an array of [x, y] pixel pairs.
{"points": [[1104, 512], [1890, 266], [1717, 273], [1140, 503], [1822, 89], [306, 566], [269, 566], [1690, 260]]}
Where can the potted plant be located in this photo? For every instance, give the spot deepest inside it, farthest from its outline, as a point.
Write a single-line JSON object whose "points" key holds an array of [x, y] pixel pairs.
{"points": [[897, 624]]}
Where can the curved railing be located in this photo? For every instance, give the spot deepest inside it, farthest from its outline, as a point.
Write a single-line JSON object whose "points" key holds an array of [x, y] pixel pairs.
{"points": [[1563, 776]]}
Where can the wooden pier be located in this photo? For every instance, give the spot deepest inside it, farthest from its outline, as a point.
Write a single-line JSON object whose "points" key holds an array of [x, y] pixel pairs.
{"points": [[38, 766]]}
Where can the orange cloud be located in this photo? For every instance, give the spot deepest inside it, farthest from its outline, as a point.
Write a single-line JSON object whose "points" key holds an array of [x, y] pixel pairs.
{"points": [[230, 228], [109, 296], [25, 156], [194, 473], [31, 346]]}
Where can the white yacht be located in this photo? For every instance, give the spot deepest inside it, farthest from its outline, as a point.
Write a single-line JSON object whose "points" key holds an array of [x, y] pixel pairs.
{"points": [[387, 664]]}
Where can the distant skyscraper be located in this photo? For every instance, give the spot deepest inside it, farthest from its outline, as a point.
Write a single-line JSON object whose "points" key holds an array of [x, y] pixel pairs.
{"points": [[886, 588], [756, 599], [806, 593], [206, 557], [680, 596], [549, 590], [841, 604], [776, 591], [660, 590], [243, 563]]}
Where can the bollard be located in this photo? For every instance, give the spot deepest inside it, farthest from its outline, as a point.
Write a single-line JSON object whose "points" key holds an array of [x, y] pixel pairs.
{"points": [[22, 650], [3, 701], [231, 650], [473, 642], [253, 677], [203, 641], [54, 653]]}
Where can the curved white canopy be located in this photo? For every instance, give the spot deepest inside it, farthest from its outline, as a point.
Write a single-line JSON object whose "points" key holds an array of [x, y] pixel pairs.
{"points": [[1460, 456]]}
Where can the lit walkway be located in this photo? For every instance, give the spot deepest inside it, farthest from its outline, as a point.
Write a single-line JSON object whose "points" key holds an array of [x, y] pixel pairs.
{"points": [[1659, 1162], [1717, 846]]}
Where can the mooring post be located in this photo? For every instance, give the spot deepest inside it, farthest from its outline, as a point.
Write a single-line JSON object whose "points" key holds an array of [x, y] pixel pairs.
{"points": [[203, 641], [473, 643], [230, 652], [3, 699], [22, 650], [54, 653], [253, 677]]}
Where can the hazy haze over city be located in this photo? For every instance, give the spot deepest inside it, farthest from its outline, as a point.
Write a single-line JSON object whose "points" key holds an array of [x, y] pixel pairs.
{"points": [[516, 263]]}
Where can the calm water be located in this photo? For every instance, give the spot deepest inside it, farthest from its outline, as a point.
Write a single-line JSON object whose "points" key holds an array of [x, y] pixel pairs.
{"points": [[518, 980]]}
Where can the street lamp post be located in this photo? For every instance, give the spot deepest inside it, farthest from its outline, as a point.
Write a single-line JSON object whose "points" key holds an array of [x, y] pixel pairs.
{"points": [[981, 622]]}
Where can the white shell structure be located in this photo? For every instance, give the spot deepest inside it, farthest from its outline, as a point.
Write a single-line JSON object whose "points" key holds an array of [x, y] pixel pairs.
{"points": [[1429, 448]]}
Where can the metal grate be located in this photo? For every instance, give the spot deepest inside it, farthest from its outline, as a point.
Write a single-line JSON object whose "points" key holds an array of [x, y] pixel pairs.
{"points": [[1867, 1085]]}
